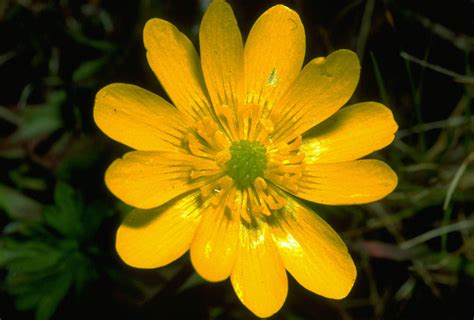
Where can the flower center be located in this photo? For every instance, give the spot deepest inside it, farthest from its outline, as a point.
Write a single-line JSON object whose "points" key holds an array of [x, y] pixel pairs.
{"points": [[248, 162]]}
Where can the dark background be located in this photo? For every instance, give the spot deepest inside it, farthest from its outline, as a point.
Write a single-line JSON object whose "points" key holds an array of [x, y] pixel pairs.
{"points": [[414, 250]]}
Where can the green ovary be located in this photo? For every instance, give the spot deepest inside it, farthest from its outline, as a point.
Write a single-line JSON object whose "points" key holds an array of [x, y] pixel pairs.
{"points": [[248, 162]]}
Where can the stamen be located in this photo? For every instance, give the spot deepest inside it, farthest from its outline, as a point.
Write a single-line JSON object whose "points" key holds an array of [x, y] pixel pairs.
{"points": [[264, 198], [286, 122], [216, 190], [206, 190], [272, 199], [221, 141], [256, 206], [285, 164], [248, 116], [295, 144], [194, 174], [248, 123], [206, 139], [222, 157], [204, 169], [260, 184], [278, 201], [195, 146], [225, 112], [266, 128], [243, 208], [206, 128]]}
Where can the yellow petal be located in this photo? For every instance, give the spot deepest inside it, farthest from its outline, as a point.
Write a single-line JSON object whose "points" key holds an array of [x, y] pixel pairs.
{"points": [[175, 62], [352, 133], [274, 53], [214, 246], [259, 277], [222, 54], [323, 86], [153, 238], [353, 182], [312, 251], [138, 118], [146, 179]]}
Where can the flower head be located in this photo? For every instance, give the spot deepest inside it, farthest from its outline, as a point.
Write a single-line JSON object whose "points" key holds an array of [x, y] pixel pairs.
{"points": [[218, 172]]}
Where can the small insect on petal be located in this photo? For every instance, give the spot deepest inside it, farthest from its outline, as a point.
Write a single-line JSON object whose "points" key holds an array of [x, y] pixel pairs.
{"points": [[272, 78]]}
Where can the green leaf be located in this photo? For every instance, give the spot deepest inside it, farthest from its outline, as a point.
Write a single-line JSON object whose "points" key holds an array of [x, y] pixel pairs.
{"points": [[88, 69], [61, 221], [65, 217], [83, 271], [18, 206], [22, 179], [57, 290], [67, 200], [31, 256], [100, 45], [40, 120], [82, 156], [28, 300], [6, 253], [92, 217], [39, 276]]}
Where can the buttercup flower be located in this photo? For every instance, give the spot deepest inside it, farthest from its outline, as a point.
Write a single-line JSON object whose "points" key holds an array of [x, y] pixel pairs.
{"points": [[219, 171]]}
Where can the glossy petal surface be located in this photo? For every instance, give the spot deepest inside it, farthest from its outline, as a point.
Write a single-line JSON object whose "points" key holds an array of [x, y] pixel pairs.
{"points": [[274, 54], [259, 277], [222, 54], [312, 251], [323, 86], [350, 134], [352, 182], [215, 244], [176, 64], [138, 118], [153, 238], [149, 179]]}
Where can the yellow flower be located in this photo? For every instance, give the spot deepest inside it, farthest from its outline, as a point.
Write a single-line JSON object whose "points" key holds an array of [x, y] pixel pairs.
{"points": [[218, 172]]}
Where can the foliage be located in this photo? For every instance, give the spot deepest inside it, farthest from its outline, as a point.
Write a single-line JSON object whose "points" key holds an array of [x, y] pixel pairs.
{"points": [[45, 260]]}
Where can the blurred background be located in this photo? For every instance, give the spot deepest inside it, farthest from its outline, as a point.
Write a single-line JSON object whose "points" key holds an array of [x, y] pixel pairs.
{"points": [[414, 250]]}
